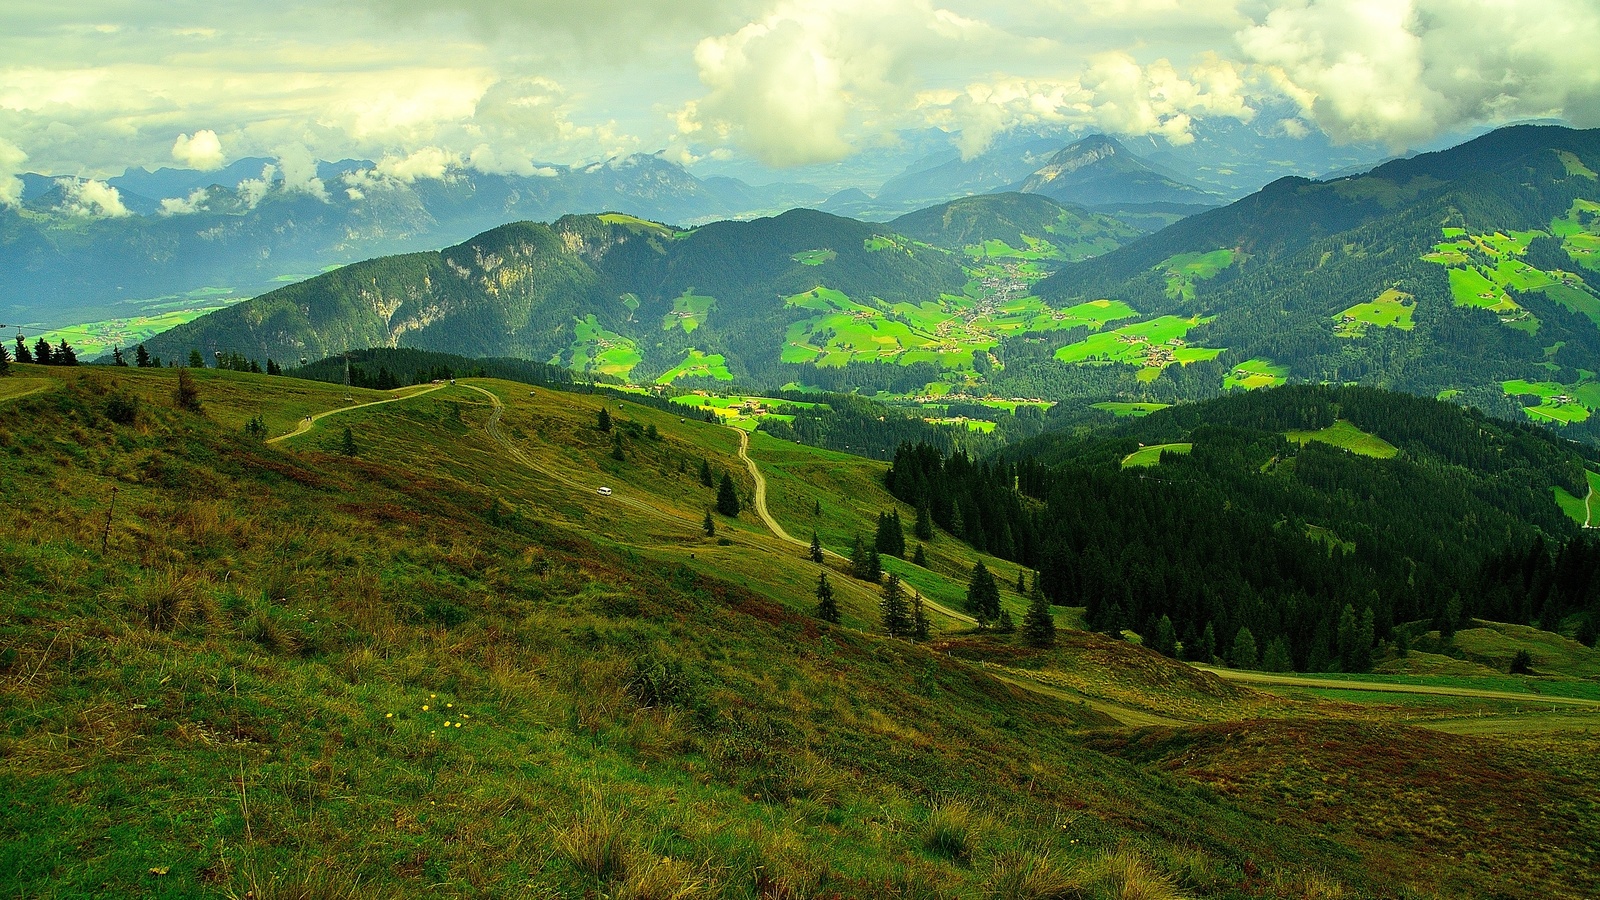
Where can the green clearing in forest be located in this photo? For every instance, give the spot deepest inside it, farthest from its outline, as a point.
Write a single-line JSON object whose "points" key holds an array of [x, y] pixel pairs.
{"points": [[1484, 267], [814, 257], [1183, 270], [1392, 309], [1346, 436], [638, 224], [1584, 510], [1124, 409], [1559, 404], [597, 350], [688, 311], [1154, 344], [697, 364], [1255, 373], [1151, 455]]}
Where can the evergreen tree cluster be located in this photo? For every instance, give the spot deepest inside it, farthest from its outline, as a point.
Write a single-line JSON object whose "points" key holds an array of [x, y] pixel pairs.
{"points": [[43, 354], [891, 537], [1320, 553]]}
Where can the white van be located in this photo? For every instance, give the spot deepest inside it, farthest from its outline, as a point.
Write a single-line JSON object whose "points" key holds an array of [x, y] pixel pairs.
{"points": [[605, 492]]}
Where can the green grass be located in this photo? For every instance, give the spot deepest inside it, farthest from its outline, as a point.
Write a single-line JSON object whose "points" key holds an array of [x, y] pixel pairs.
{"points": [[1154, 344], [597, 350], [638, 224], [1151, 455], [246, 692], [1484, 285], [1255, 373], [814, 257], [697, 364], [1346, 436], [1123, 409], [1584, 510], [1183, 271], [1575, 166], [93, 339], [1560, 404], [1392, 309]]}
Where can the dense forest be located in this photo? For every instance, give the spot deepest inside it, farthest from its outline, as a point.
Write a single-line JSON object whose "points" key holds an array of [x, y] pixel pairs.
{"points": [[1317, 552]]}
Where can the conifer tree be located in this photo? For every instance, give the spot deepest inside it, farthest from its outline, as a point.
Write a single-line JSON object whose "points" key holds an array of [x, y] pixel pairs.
{"points": [[727, 497], [603, 420], [5, 360], [347, 442], [186, 395], [42, 354], [858, 559], [1277, 658], [1347, 639], [1022, 582], [273, 368], [141, 357], [616, 446], [1038, 626], [920, 558], [815, 553], [1003, 622], [890, 538], [705, 474], [1165, 639], [874, 566], [709, 526], [983, 595], [1365, 638], [64, 355], [924, 527], [23, 356], [919, 618], [827, 607], [1243, 655], [1206, 649], [196, 361], [117, 358], [895, 612]]}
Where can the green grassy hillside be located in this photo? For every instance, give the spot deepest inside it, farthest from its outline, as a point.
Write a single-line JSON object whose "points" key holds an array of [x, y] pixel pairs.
{"points": [[432, 658]]}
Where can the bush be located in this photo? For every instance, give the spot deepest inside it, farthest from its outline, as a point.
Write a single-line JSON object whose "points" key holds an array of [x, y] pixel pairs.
{"points": [[122, 409]]}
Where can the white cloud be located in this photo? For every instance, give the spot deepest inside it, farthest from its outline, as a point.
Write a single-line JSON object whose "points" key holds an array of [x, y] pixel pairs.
{"points": [[183, 206], [1403, 71], [253, 190], [11, 160], [93, 199], [203, 151], [298, 170], [428, 162]]}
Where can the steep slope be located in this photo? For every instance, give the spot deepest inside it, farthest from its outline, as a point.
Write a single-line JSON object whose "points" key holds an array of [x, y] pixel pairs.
{"points": [[993, 170]]}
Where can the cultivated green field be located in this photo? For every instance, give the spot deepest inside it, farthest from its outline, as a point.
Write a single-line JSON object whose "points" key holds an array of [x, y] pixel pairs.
{"points": [[1123, 409], [1151, 455], [596, 350], [697, 364], [688, 312], [1255, 373], [1154, 344], [1560, 404], [814, 257], [1583, 510], [1345, 436], [1483, 267], [1392, 309], [1183, 271]]}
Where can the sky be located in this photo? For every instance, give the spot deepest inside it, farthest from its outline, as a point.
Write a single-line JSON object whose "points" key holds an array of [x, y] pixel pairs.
{"points": [[92, 87]]}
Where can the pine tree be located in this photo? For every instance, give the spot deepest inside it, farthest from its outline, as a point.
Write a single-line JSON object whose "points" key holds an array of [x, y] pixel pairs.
{"points": [[42, 354], [874, 565], [1022, 582], [924, 527], [1038, 625], [827, 607], [1243, 655], [186, 395], [1206, 649], [117, 358], [919, 618], [727, 497], [1165, 639], [893, 608], [815, 553], [705, 474], [141, 357], [920, 558], [23, 356], [858, 559], [64, 355], [5, 360], [196, 361], [1277, 658], [273, 368], [1003, 623], [1365, 638], [890, 538], [816, 507], [983, 595], [1347, 639], [347, 442], [709, 526], [616, 446], [603, 420], [1449, 619]]}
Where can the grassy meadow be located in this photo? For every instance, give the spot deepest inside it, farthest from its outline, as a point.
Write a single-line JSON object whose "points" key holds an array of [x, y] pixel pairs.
{"points": [[435, 660]]}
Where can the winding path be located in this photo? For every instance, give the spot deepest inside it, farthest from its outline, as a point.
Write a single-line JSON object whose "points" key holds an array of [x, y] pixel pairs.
{"points": [[309, 422], [777, 530]]}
